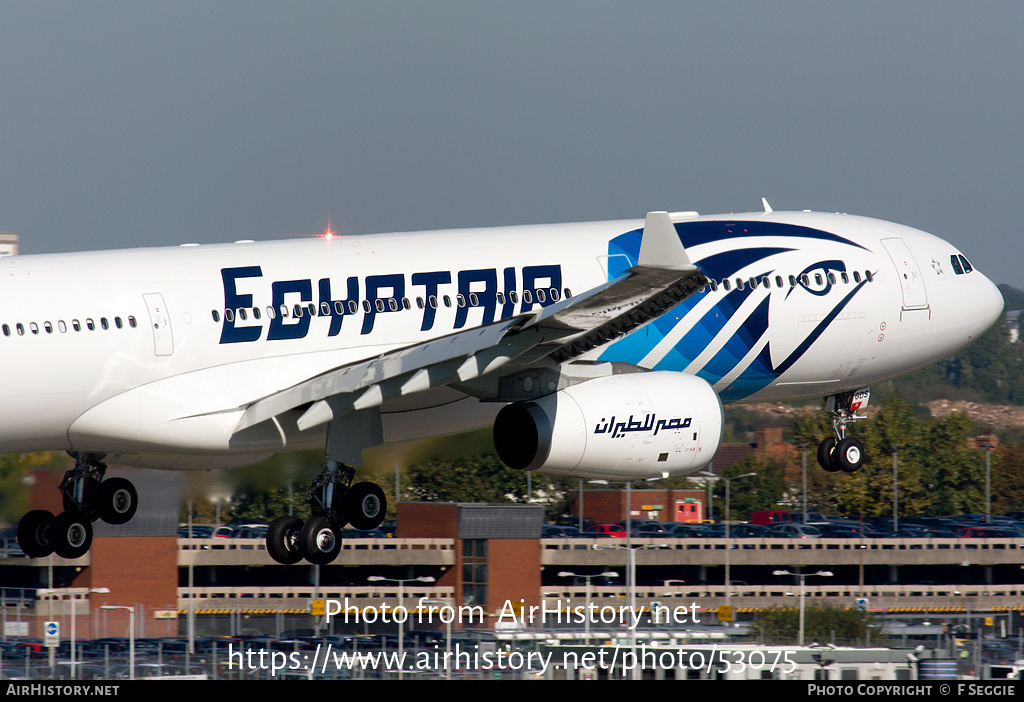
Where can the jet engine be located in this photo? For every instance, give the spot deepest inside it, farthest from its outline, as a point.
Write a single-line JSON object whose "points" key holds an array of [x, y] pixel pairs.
{"points": [[620, 427]]}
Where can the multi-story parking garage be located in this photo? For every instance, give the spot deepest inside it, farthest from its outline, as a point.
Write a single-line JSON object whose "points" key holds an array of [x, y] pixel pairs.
{"points": [[491, 558]]}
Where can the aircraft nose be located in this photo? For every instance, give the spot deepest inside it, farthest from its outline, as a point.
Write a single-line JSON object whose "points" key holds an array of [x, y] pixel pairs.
{"points": [[987, 304]]}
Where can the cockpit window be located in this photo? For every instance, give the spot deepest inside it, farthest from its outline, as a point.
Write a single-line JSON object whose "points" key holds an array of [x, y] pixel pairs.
{"points": [[957, 268], [967, 265]]}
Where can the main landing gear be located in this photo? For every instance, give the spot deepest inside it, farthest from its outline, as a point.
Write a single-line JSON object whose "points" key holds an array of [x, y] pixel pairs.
{"points": [[87, 497], [334, 501], [839, 452]]}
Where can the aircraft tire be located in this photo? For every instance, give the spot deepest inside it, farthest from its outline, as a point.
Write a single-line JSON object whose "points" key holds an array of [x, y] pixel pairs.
{"points": [[826, 455], [849, 454], [365, 506], [35, 533], [118, 500], [282, 540], [319, 540], [72, 535]]}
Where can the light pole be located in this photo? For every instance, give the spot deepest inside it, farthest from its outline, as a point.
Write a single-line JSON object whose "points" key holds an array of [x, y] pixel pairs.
{"points": [[895, 488], [131, 637], [803, 577], [401, 619], [586, 622], [728, 533]]}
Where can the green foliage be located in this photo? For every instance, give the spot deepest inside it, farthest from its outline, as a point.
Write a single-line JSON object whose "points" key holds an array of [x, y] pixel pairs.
{"points": [[763, 490], [824, 623], [15, 480], [476, 479]]}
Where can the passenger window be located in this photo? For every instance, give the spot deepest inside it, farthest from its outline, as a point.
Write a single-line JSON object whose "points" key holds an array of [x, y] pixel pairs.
{"points": [[255, 312], [131, 321], [541, 296], [393, 304], [297, 311], [76, 325], [379, 304], [325, 309], [856, 276], [725, 284], [33, 327], [104, 324], [7, 330], [867, 276], [447, 301], [216, 315], [501, 298], [432, 301], [48, 327], [554, 294], [20, 328], [62, 327], [117, 323], [271, 313], [474, 299], [527, 296], [90, 325], [568, 292], [241, 313], [353, 307]]}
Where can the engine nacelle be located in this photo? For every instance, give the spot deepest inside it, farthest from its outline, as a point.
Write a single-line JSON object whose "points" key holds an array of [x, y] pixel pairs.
{"points": [[621, 427]]}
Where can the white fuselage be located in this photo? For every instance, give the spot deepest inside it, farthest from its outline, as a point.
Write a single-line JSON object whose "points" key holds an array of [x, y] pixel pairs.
{"points": [[158, 351]]}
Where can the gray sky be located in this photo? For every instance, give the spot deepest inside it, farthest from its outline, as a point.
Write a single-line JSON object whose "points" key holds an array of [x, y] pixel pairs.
{"points": [[132, 123]]}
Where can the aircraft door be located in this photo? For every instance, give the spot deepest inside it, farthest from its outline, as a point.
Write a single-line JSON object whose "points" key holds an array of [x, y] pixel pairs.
{"points": [[911, 281], [163, 341]]}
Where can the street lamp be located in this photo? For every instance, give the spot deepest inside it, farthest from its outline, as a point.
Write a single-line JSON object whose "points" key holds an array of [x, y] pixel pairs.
{"points": [[586, 622], [728, 533], [401, 620], [131, 636], [803, 577]]}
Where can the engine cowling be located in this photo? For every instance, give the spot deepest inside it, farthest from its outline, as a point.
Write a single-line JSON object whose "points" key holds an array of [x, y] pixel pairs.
{"points": [[633, 426]]}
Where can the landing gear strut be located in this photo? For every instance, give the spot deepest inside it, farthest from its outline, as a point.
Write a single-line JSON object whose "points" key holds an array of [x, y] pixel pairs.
{"points": [[839, 452], [86, 497]]}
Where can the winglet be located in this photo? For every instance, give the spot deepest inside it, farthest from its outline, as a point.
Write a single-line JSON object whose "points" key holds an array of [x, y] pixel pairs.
{"points": [[767, 207], [661, 246]]}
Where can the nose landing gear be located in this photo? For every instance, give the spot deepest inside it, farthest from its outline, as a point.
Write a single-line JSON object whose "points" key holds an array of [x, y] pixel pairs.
{"points": [[839, 452]]}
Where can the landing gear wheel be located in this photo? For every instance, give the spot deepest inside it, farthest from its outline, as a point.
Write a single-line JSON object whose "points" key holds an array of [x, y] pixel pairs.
{"points": [[118, 500], [35, 533], [849, 455], [319, 541], [72, 535], [365, 506], [826, 455], [282, 540]]}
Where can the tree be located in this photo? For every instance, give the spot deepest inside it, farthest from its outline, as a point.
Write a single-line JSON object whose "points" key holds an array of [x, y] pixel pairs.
{"points": [[822, 622]]}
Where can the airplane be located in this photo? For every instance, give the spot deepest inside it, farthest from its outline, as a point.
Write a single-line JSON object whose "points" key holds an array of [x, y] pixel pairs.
{"points": [[596, 350]]}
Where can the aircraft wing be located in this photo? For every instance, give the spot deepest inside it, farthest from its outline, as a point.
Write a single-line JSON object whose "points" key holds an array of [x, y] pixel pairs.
{"points": [[662, 277]]}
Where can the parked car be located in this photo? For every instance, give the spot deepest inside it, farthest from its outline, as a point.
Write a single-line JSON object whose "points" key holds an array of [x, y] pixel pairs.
{"points": [[793, 531], [615, 531]]}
